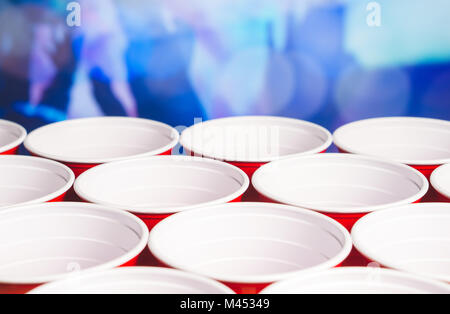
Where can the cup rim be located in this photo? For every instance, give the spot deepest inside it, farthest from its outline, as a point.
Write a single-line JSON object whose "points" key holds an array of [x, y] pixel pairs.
{"points": [[158, 252], [372, 255], [17, 142], [280, 120], [436, 180], [48, 197], [31, 147], [119, 261], [256, 181], [145, 209], [278, 286], [53, 286], [341, 144]]}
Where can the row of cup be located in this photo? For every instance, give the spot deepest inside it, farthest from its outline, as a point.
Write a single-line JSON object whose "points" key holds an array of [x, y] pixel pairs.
{"points": [[343, 186], [240, 247], [247, 142]]}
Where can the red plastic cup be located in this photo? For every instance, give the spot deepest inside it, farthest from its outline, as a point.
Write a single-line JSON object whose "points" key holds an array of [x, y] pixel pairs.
{"points": [[49, 242], [358, 280], [85, 143], [12, 136], [156, 187], [413, 238], [440, 180], [248, 246], [135, 280], [421, 143], [30, 180], [252, 141], [342, 186]]}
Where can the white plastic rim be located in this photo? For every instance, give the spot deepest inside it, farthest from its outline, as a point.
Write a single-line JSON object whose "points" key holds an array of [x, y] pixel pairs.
{"points": [[250, 242], [412, 141], [101, 140], [255, 138], [358, 280], [340, 183], [162, 184], [12, 135], [30, 180], [48, 242], [135, 280], [440, 180], [413, 238]]}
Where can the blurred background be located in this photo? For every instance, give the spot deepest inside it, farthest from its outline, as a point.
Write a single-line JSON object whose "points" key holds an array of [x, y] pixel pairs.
{"points": [[326, 61]]}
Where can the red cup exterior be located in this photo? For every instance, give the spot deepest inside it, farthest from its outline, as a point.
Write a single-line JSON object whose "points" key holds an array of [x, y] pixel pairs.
{"points": [[347, 220], [251, 288], [426, 170], [12, 151], [251, 195], [356, 259], [23, 289], [79, 168], [243, 288], [60, 198]]}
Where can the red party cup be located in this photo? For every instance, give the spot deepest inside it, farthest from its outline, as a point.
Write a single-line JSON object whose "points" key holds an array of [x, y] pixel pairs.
{"points": [[342, 186], [252, 141], [30, 180], [49, 242], [84, 143], [422, 143], [413, 238], [135, 280], [440, 180], [12, 136], [248, 246], [358, 280], [154, 188]]}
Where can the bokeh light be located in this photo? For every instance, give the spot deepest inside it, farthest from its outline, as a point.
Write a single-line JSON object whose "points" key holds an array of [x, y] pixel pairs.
{"points": [[362, 93]]}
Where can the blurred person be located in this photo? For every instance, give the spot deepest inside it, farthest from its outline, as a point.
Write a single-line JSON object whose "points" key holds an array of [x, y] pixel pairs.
{"points": [[158, 58], [102, 46], [242, 62]]}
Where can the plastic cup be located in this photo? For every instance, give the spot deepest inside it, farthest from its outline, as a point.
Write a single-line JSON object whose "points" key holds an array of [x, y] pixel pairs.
{"points": [[419, 142], [49, 242], [248, 246], [251, 141], [135, 280], [156, 187], [413, 238], [30, 180], [440, 180], [85, 143], [343, 186], [12, 136], [358, 280]]}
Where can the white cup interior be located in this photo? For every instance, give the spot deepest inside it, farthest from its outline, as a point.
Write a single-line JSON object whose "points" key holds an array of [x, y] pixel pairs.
{"points": [[11, 135], [340, 183], [162, 184], [25, 180], [135, 280], [42, 243], [249, 242], [357, 280], [414, 238], [255, 139], [413, 141], [440, 179], [100, 140]]}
